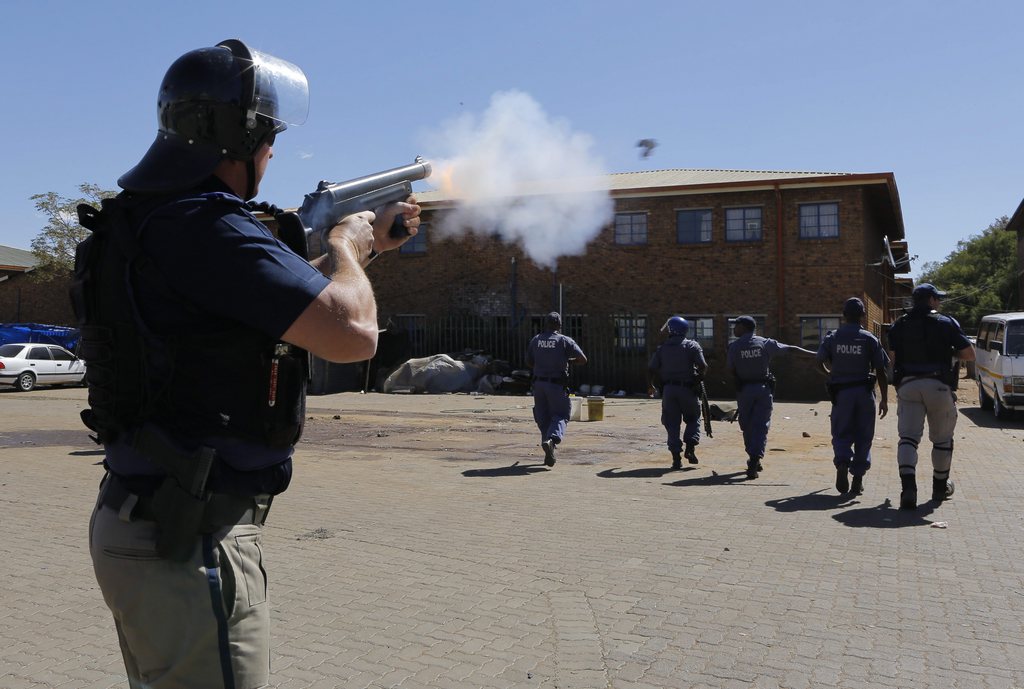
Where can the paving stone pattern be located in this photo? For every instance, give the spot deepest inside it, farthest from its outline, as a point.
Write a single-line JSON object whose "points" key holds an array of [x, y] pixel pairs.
{"points": [[424, 544]]}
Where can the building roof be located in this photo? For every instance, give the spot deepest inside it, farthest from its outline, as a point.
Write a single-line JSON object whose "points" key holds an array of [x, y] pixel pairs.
{"points": [[684, 180], [16, 260]]}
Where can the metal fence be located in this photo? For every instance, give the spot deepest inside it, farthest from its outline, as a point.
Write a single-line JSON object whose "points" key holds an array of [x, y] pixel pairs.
{"points": [[617, 346]]}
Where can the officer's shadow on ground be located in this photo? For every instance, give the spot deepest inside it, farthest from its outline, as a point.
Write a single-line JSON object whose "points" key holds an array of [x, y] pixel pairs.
{"points": [[715, 479], [645, 472], [883, 516], [515, 469]]}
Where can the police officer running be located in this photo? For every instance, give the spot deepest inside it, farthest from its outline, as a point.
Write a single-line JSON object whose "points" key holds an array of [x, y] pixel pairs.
{"points": [[924, 344], [196, 323], [549, 355], [853, 359], [676, 367], [749, 358]]}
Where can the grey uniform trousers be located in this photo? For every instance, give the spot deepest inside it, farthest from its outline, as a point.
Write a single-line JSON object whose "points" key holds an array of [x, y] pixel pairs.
{"points": [[920, 400]]}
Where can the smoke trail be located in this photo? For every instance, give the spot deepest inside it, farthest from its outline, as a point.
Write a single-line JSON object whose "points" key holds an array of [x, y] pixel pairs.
{"points": [[520, 174]]}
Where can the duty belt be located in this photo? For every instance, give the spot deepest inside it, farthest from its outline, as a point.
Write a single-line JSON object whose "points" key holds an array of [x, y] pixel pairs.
{"points": [[221, 509], [551, 380]]}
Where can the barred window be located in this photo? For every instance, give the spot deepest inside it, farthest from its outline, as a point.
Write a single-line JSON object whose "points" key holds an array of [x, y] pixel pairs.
{"points": [[630, 332]]}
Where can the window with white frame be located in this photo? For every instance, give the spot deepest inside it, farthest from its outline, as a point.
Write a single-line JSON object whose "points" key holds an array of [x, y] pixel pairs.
{"points": [[630, 228], [417, 244], [743, 224], [693, 226], [814, 328], [630, 332], [759, 320], [819, 220]]}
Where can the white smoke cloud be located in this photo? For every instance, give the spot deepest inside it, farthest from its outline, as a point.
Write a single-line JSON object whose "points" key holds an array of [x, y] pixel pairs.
{"points": [[519, 173]]}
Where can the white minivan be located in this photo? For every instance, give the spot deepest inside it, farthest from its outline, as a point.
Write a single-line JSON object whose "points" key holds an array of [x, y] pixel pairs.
{"points": [[1000, 365]]}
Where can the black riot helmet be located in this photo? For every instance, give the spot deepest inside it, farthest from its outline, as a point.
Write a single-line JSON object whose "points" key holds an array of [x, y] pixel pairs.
{"points": [[218, 102]]}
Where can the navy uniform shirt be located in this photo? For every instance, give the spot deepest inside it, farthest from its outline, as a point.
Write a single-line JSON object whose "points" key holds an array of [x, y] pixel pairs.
{"points": [[750, 356], [223, 268], [676, 358], [851, 353], [549, 354]]}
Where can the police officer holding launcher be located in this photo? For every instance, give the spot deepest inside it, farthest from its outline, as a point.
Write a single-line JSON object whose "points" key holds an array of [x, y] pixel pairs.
{"points": [[196, 322], [549, 355], [924, 345], [749, 359], [853, 359], [677, 366]]}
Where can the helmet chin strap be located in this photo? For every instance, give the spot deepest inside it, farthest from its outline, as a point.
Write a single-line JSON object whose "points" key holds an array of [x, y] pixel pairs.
{"points": [[250, 169]]}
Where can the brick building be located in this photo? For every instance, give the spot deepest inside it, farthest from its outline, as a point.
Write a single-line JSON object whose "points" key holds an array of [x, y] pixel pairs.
{"points": [[26, 299], [785, 247]]}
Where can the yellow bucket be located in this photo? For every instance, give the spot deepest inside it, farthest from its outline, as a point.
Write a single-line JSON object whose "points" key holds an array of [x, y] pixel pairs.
{"points": [[595, 408]]}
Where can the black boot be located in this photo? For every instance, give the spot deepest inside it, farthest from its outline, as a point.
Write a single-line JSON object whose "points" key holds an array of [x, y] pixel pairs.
{"points": [[857, 486], [842, 480], [908, 497], [677, 460], [752, 466], [690, 453], [942, 489]]}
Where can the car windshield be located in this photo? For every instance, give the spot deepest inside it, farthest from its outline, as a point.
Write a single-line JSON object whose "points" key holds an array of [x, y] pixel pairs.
{"points": [[1015, 338], [10, 350]]}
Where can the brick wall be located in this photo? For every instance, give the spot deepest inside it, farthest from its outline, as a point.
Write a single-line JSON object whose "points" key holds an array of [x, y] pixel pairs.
{"points": [[26, 300], [662, 277]]}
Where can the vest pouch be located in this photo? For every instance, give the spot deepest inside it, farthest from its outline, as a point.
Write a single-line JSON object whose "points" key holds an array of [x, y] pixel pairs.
{"points": [[284, 408]]}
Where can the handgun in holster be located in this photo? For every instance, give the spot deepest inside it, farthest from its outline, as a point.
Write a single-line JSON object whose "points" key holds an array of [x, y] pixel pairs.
{"points": [[180, 501]]}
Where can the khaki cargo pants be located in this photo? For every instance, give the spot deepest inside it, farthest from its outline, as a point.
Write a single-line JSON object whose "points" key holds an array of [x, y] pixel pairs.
{"points": [[200, 624]]}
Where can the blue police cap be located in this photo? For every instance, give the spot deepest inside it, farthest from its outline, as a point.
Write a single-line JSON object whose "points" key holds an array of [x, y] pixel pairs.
{"points": [[747, 321], [853, 308], [926, 290]]}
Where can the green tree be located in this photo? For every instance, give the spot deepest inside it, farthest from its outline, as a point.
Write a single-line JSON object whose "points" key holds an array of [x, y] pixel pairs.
{"points": [[980, 275], [55, 244]]}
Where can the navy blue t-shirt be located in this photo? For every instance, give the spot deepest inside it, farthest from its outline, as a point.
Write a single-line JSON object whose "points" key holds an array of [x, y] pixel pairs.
{"points": [[212, 266], [549, 354], [852, 353], [676, 358]]}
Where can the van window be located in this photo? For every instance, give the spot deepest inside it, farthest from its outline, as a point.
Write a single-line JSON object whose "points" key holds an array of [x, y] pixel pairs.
{"points": [[1015, 338], [996, 343], [983, 335]]}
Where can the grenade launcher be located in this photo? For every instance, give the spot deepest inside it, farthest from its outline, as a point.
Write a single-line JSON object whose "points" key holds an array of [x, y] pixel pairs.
{"points": [[322, 209]]}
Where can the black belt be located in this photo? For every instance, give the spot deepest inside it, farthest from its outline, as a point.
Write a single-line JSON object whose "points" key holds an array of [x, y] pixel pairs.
{"points": [[561, 381], [221, 509]]}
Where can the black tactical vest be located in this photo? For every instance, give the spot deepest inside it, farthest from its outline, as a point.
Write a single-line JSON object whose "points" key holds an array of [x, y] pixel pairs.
{"points": [[236, 382], [922, 347]]}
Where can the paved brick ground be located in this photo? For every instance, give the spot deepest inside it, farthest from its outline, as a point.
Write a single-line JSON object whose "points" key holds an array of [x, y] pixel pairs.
{"points": [[423, 544]]}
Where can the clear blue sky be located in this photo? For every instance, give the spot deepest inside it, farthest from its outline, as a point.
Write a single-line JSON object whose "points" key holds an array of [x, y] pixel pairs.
{"points": [[928, 90]]}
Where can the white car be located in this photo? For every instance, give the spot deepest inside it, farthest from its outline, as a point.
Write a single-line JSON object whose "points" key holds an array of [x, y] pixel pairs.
{"points": [[29, 364]]}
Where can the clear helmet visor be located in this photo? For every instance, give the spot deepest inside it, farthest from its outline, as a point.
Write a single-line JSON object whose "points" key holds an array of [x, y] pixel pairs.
{"points": [[281, 90]]}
